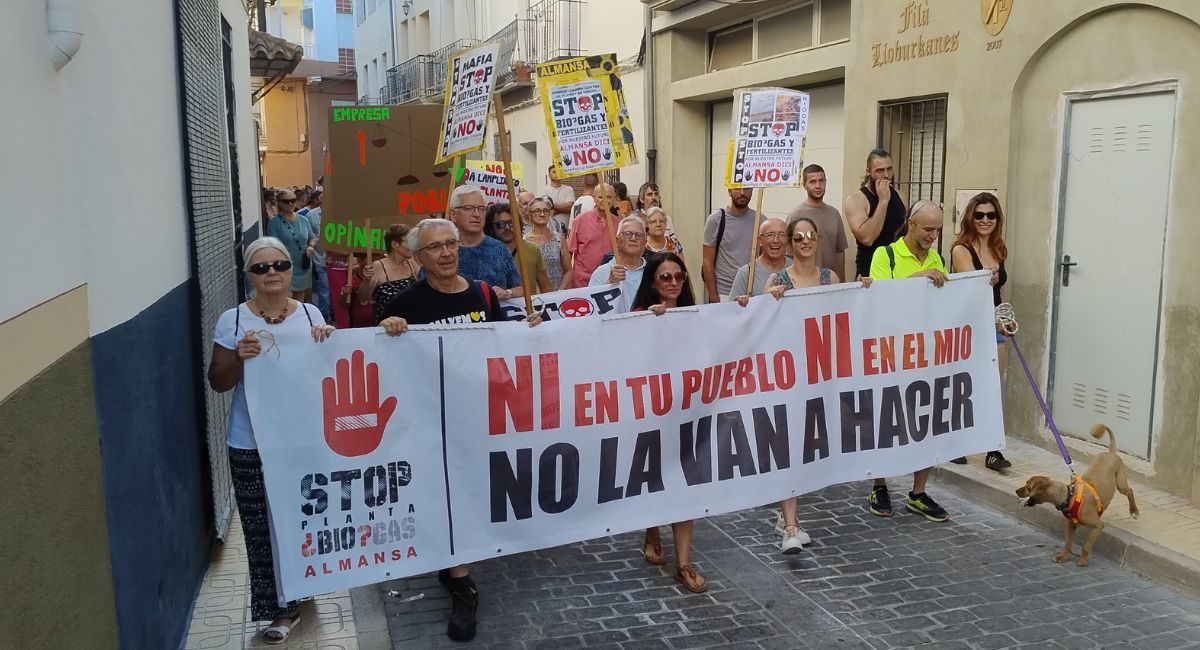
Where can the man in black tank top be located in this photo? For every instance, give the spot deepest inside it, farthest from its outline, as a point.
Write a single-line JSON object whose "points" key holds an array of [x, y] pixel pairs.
{"points": [[875, 213]]}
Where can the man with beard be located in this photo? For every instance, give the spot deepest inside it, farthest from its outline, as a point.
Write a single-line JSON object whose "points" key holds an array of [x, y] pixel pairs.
{"points": [[832, 251], [875, 212], [727, 235], [772, 258], [499, 224]]}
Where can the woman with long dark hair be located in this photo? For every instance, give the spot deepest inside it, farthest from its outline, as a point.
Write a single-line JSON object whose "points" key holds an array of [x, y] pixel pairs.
{"points": [[980, 245], [665, 285]]}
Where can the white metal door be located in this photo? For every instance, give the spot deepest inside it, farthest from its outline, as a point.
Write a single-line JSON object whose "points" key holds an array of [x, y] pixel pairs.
{"points": [[1109, 272]]}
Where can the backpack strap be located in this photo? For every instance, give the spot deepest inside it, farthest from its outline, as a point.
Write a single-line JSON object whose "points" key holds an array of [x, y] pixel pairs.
{"points": [[720, 233], [891, 259]]}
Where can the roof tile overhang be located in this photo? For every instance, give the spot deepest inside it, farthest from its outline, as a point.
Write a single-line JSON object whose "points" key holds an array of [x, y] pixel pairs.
{"points": [[271, 56]]}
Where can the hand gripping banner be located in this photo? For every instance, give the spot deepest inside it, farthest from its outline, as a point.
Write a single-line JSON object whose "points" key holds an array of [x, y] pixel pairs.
{"points": [[387, 457]]}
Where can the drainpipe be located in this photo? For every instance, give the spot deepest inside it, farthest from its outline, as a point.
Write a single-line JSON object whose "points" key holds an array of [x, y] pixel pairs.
{"points": [[64, 30], [648, 66]]}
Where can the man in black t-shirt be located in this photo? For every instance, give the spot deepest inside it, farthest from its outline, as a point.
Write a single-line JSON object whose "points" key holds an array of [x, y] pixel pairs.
{"points": [[875, 211], [445, 297]]}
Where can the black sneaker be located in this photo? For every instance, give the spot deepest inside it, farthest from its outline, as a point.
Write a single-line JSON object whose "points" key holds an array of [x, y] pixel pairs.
{"points": [[881, 503], [996, 461], [465, 597], [961, 460], [924, 505]]}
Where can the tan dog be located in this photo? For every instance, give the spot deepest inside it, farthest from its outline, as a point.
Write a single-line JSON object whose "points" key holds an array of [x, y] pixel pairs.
{"points": [[1078, 502]]}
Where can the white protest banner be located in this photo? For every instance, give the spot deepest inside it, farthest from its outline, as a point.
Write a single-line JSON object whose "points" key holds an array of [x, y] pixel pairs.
{"points": [[488, 175], [586, 116], [769, 125], [387, 457], [572, 303], [470, 79]]}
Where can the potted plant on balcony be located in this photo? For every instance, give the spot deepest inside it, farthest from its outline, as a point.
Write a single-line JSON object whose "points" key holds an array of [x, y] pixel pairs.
{"points": [[522, 71]]}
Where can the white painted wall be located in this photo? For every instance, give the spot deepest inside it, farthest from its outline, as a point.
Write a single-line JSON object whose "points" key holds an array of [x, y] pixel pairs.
{"points": [[96, 193], [372, 39], [248, 167]]}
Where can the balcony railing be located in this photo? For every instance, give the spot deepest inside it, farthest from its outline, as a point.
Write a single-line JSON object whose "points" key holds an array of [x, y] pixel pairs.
{"points": [[516, 59], [423, 76], [556, 29]]}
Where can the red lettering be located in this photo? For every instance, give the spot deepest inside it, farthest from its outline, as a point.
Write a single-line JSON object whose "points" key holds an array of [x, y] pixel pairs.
{"points": [[908, 359], [506, 395], [548, 369], [691, 386], [310, 572], [412, 552], [712, 384], [745, 377], [660, 394], [727, 379], [380, 557], [396, 554], [636, 386], [362, 561], [870, 357], [964, 345], [785, 370], [922, 362], [606, 402], [582, 404], [344, 564], [887, 354], [764, 380]]}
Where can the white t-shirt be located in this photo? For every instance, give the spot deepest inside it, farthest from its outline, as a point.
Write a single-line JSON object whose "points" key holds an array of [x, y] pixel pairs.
{"points": [[241, 434], [560, 194], [582, 204]]}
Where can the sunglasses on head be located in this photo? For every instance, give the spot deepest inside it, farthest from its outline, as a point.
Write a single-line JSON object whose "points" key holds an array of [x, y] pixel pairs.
{"points": [[678, 276], [261, 268], [990, 216]]}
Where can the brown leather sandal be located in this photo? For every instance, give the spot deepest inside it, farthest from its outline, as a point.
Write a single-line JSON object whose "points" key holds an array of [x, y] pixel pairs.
{"points": [[692, 581], [652, 550]]}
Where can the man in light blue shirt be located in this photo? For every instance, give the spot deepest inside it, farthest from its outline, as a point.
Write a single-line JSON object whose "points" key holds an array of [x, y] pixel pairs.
{"points": [[627, 267]]}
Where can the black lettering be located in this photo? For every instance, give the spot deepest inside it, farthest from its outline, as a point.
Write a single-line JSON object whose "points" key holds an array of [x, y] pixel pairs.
{"points": [[346, 478], [917, 394], [511, 486], [693, 448], [375, 486], [314, 494], [772, 439], [733, 447], [556, 495], [941, 402], [608, 488], [816, 433], [891, 418], [646, 468], [604, 299], [963, 414], [858, 417]]}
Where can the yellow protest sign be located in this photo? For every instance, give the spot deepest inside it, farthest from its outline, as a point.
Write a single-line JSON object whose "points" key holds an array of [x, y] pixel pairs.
{"points": [[586, 115]]}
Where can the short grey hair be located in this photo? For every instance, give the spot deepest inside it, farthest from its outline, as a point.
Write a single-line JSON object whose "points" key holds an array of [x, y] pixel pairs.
{"points": [[414, 236], [547, 201], [463, 190], [650, 212], [632, 218], [921, 205], [261, 244], [769, 220]]}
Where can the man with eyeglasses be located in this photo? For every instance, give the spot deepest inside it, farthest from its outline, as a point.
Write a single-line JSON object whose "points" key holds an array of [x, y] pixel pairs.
{"points": [[772, 258], [629, 264], [481, 257], [499, 224]]}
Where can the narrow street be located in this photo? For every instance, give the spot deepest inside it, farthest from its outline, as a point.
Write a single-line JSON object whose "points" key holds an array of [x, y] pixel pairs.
{"points": [[983, 580]]}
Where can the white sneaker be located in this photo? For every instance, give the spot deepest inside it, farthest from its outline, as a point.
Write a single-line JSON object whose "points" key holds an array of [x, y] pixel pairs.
{"points": [[779, 527], [791, 541]]}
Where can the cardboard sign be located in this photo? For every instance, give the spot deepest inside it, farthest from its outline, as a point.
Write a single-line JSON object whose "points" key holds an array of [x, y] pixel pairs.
{"points": [[767, 150], [488, 175], [586, 115], [470, 80], [380, 166]]}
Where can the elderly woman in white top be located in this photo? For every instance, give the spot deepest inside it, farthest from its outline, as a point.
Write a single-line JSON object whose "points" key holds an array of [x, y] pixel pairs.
{"points": [[238, 338]]}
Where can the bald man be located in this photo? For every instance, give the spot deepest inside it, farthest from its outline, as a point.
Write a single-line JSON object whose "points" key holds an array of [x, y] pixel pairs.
{"points": [[588, 240]]}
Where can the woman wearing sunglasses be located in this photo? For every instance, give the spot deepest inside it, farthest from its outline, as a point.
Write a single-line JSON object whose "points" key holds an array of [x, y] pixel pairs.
{"points": [[980, 245], [239, 336], [552, 245], [801, 274], [665, 285]]}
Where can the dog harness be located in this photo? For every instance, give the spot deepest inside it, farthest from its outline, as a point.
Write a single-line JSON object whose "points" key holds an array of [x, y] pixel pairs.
{"points": [[1074, 502]]}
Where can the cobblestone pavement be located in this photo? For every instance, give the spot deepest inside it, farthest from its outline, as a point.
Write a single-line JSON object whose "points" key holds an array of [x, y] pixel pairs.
{"points": [[982, 580]]}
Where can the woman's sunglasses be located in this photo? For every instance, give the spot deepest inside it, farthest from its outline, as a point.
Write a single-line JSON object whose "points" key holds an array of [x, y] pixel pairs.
{"points": [[261, 268], [801, 236], [990, 216], [678, 276]]}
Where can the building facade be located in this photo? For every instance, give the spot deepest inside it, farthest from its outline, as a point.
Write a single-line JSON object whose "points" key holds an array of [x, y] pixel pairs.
{"points": [[420, 35], [1072, 113], [105, 419], [293, 115]]}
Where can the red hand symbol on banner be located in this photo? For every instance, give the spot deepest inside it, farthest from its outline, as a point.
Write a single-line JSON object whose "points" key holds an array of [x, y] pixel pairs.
{"points": [[354, 417]]}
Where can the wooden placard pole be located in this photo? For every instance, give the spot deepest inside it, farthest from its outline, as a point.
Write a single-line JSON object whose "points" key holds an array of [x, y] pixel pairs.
{"points": [[602, 208], [754, 241], [455, 174], [370, 243], [527, 283]]}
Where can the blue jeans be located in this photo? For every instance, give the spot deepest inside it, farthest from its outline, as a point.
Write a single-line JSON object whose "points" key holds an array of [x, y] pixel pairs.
{"points": [[320, 286]]}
